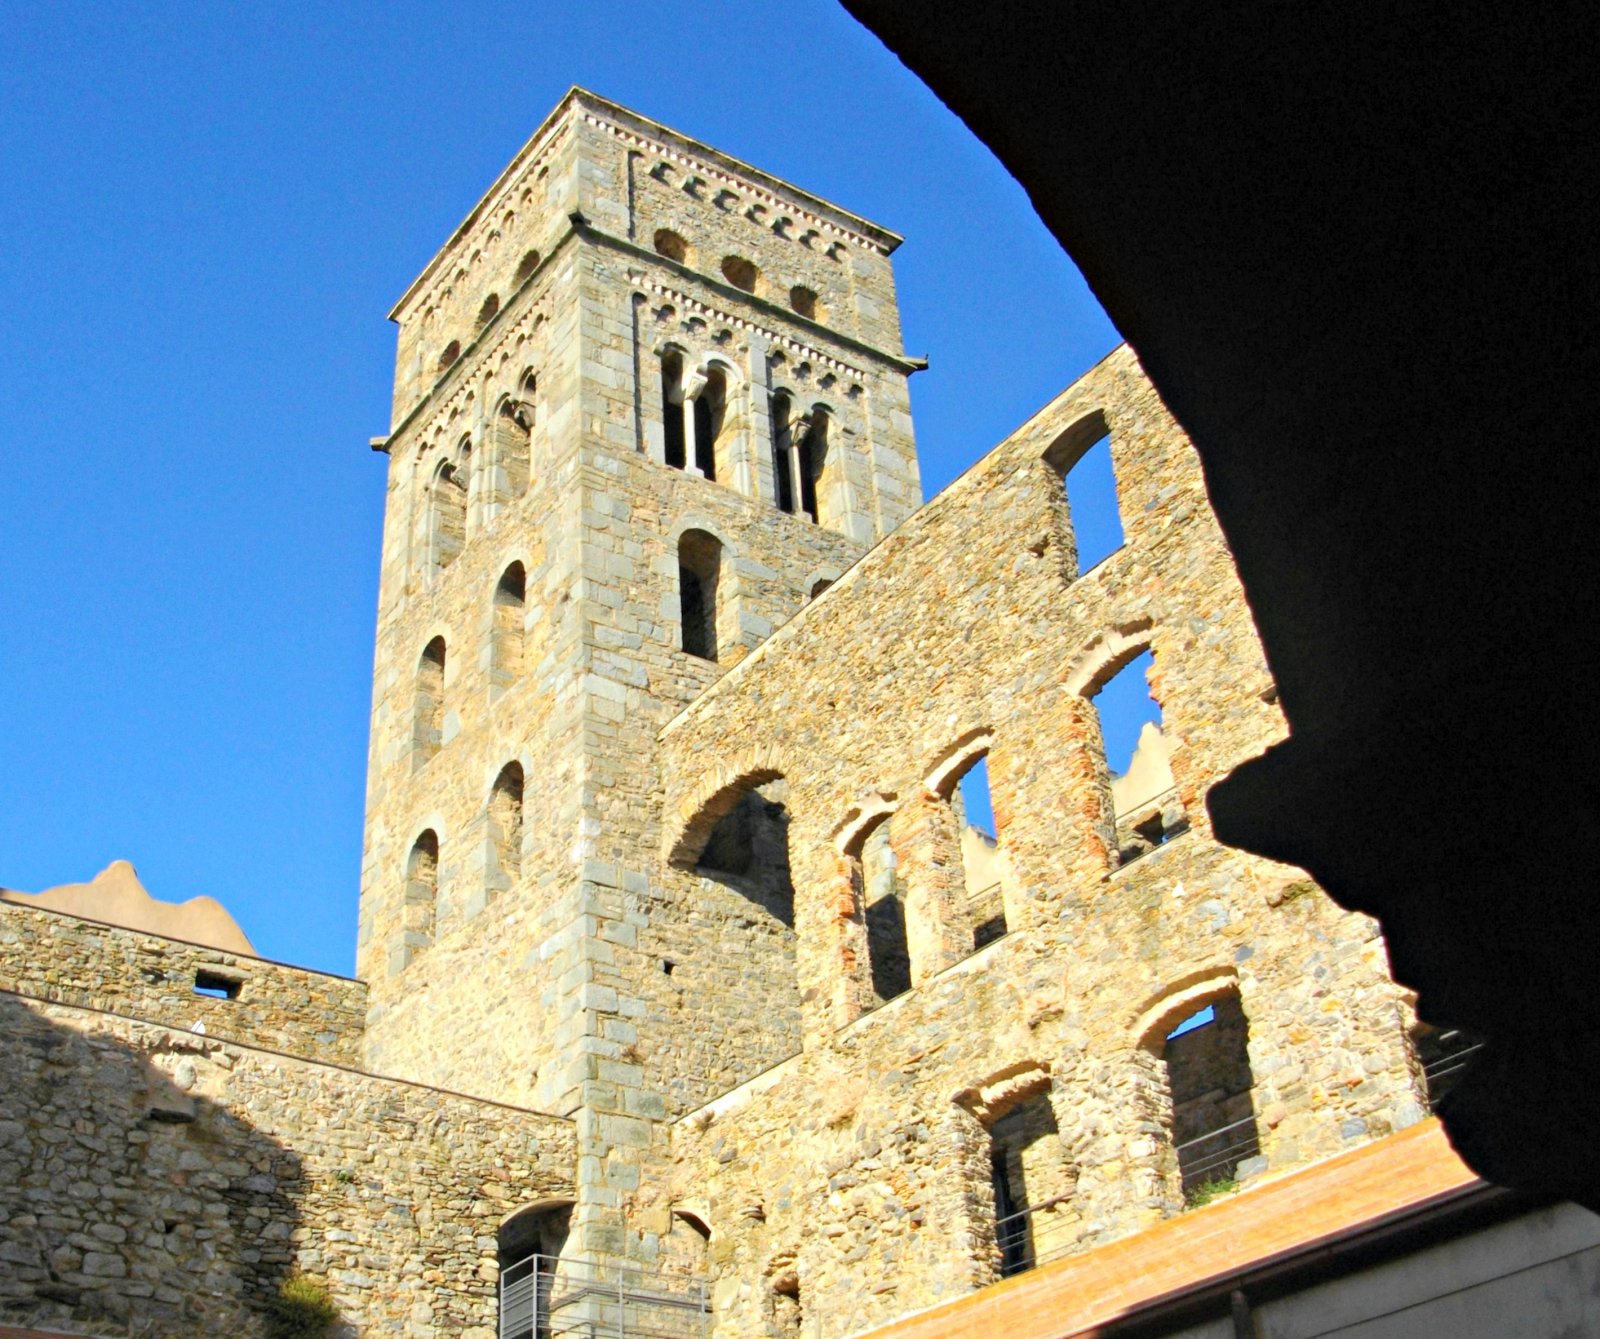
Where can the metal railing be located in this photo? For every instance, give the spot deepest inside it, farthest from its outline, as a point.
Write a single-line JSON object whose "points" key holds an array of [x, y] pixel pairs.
{"points": [[1212, 1156], [544, 1297], [1441, 1072], [1028, 1237]]}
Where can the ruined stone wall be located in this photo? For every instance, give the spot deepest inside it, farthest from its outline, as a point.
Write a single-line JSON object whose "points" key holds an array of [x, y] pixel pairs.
{"points": [[862, 1165], [154, 1182], [53, 956]]}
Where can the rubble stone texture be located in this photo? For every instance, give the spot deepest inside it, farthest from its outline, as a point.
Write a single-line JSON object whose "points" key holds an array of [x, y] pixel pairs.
{"points": [[716, 910]]}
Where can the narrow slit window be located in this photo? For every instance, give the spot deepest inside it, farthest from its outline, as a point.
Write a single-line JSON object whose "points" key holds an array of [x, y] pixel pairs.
{"points": [[510, 613], [428, 711], [710, 411], [699, 569], [672, 410], [782, 447]]}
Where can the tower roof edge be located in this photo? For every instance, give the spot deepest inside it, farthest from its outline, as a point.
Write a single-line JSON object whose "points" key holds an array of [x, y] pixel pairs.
{"points": [[577, 96]]}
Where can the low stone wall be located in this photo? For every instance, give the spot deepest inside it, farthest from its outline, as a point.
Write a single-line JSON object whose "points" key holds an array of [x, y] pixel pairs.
{"points": [[154, 1183], [54, 956]]}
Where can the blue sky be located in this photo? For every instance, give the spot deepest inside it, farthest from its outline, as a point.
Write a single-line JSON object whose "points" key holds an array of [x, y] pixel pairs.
{"points": [[207, 211]]}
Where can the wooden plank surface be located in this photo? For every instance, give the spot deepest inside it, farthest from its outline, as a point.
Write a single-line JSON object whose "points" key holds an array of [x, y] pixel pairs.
{"points": [[1077, 1295]]}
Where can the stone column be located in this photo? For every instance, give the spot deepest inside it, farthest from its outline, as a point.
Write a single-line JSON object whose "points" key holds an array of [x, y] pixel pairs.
{"points": [[1052, 808], [852, 989], [1114, 1113], [927, 850], [752, 464]]}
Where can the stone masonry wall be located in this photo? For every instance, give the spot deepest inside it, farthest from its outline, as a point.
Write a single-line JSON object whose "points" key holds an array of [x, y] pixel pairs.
{"points": [[154, 1182], [50, 955], [861, 1166]]}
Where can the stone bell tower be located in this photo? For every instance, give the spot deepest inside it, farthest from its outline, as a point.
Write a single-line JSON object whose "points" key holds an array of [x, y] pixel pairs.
{"points": [[648, 402]]}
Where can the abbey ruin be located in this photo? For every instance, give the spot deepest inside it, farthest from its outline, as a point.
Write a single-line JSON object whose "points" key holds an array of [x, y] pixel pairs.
{"points": [[689, 1003]]}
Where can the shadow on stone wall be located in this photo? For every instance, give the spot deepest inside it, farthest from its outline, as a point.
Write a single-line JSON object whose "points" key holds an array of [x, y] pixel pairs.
{"points": [[130, 1204]]}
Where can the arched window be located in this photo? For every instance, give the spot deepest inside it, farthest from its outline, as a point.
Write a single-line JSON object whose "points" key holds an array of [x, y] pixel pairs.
{"points": [[740, 272], [977, 852], [505, 822], [699, 573], [672, 246], [710, 412], [1207, 1061], [450, 353], [1147, 810], [513, 443], [813, 452], [529, 1246], [804, 301], [1090, 519], [672, 409], [782, 452], [817, 587], [525, 267], [428, 713], [486, 313], [447, 513], [1031, 1180], [509, 614], [420, 909], [878, 895]]}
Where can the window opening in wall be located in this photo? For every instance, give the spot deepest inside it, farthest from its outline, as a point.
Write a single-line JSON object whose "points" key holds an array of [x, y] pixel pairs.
{"points": [[419, 915], [510, 610], [1091, 487], [217, 986], [788, 1315], [529, 1251], [505, 821], [1146, 807], [883, 909], [428, 715], [447, 513], [1444, 1054], [749, 851], [813, 457], [1213, 1111], [710, 411], [740, 273], [978, 850], [525, 267], [817, 587], [782, 446], [1081, 458], [804, 301], [699, 567], [672, 409], [513, 441], [487, 312], [671, 245], [1032, 1183], [449, 354]]}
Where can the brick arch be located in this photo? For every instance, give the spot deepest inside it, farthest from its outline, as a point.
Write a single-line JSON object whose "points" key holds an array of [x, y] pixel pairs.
{"points": [[1099, 661], [954, 758], [1003, 1090], [1177, 1000], [699, 810]]}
